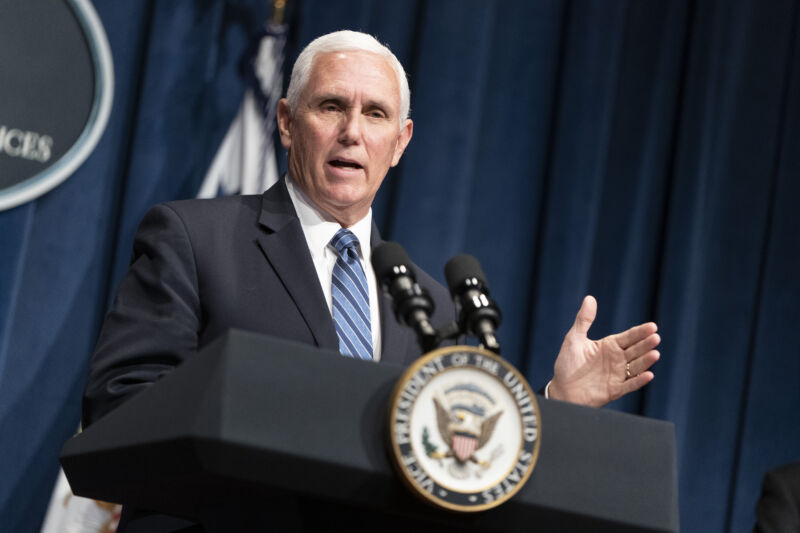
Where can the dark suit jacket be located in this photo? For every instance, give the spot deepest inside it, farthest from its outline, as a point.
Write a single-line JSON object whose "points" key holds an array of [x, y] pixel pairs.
{"points": [[200, 267], [778, 508]]}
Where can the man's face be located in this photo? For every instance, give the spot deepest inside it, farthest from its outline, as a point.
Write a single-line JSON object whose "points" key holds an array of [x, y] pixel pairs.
{"points": [[345, 133]]}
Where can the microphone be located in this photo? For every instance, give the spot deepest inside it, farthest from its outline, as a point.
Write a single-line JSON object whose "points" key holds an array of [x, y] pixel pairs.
{"points": [[411, 303], [478, 315]]}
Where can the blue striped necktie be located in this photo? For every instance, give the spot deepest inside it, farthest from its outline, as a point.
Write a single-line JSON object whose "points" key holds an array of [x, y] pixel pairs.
{"points": [[350, 298]]}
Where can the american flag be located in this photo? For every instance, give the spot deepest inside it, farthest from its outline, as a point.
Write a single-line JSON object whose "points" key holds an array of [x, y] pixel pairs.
{"points": [[245, 162]]}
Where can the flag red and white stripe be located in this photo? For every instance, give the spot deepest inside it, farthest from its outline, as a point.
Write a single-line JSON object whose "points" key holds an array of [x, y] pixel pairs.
{"points": [[464, 446]]}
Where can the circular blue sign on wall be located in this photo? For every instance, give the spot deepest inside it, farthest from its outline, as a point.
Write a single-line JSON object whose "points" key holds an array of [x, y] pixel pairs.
{"points": [[56, 93]]}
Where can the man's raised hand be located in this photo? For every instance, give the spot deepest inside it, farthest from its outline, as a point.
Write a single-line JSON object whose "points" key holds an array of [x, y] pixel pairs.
{"points": [[595, 372]]}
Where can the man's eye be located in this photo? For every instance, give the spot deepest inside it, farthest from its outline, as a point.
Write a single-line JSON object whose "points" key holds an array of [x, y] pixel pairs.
{"points": [[376, 114], [330, 107]]}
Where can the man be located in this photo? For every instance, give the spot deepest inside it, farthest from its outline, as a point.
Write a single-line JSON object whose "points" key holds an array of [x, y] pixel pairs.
{"points": [[270, 263]]}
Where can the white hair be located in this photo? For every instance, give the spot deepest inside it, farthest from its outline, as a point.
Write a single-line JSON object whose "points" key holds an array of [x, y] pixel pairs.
{"points": [[341, 41]]}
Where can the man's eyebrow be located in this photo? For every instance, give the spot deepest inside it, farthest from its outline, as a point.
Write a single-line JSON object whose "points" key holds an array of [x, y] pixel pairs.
{"points": [[377, 103], [325, 97]]}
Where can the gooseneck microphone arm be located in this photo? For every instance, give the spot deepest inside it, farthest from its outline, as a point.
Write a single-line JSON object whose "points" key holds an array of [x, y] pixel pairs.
{"points": [[478, 315], [411, 303]]}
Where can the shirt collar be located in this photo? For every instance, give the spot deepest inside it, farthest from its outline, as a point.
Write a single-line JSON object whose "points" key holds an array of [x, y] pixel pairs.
{"points": [[319, 227]]}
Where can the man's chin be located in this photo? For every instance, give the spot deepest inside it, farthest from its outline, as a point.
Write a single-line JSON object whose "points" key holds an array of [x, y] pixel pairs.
{"points": [[347, 193]]}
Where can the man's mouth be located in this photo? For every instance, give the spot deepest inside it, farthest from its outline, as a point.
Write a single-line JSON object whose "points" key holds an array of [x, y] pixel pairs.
{"points": [[343, 163]]}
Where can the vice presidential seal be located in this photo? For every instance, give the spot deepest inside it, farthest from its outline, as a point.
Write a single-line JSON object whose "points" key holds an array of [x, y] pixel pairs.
{"points": [[464, 429]]}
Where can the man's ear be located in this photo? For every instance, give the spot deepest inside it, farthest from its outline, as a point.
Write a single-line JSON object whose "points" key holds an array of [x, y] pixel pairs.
{"points": [[402, 140], [284, 123]]}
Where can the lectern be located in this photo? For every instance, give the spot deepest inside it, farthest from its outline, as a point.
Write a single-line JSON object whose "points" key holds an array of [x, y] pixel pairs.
{"points": [[257, 430]]}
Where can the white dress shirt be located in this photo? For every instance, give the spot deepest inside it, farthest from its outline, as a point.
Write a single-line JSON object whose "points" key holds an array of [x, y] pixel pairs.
{"points": [[319, 228]]}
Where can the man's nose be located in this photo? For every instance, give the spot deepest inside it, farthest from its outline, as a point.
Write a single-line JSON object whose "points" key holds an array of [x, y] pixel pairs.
{"points": [[351, 128]]}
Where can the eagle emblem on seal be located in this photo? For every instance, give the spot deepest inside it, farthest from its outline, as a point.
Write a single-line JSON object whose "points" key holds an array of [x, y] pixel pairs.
{"points": [[466, 419]]}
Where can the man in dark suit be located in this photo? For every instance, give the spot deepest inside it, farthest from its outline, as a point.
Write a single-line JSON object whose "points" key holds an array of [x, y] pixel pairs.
{"points": [[265, 263]]}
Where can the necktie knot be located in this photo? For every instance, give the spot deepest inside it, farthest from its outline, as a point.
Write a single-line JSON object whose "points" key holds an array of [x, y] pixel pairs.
{"points": [[344, 240]]}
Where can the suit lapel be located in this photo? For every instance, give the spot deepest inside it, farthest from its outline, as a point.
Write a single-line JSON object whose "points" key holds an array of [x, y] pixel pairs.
{"points": [[284, 245]]}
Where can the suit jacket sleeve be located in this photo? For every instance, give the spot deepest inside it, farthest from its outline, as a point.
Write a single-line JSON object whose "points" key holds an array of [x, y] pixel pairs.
{"points": [[154, 321]]}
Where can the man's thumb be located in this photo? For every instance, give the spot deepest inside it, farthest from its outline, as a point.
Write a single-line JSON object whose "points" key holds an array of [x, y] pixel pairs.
{"points": [[586, 315]]}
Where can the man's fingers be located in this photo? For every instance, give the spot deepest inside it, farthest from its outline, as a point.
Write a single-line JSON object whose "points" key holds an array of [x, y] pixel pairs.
{"points": [[642, 347], [586, 315], [628, 338], [640, 364], [636, 383]]}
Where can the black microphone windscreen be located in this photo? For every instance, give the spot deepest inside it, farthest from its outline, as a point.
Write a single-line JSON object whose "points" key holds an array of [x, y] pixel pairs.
{"points": [[386, 256], [460, 268]]}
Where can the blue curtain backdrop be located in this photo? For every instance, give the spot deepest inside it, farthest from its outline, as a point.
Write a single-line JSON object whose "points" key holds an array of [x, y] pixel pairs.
{"points": [[645, 152]]}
